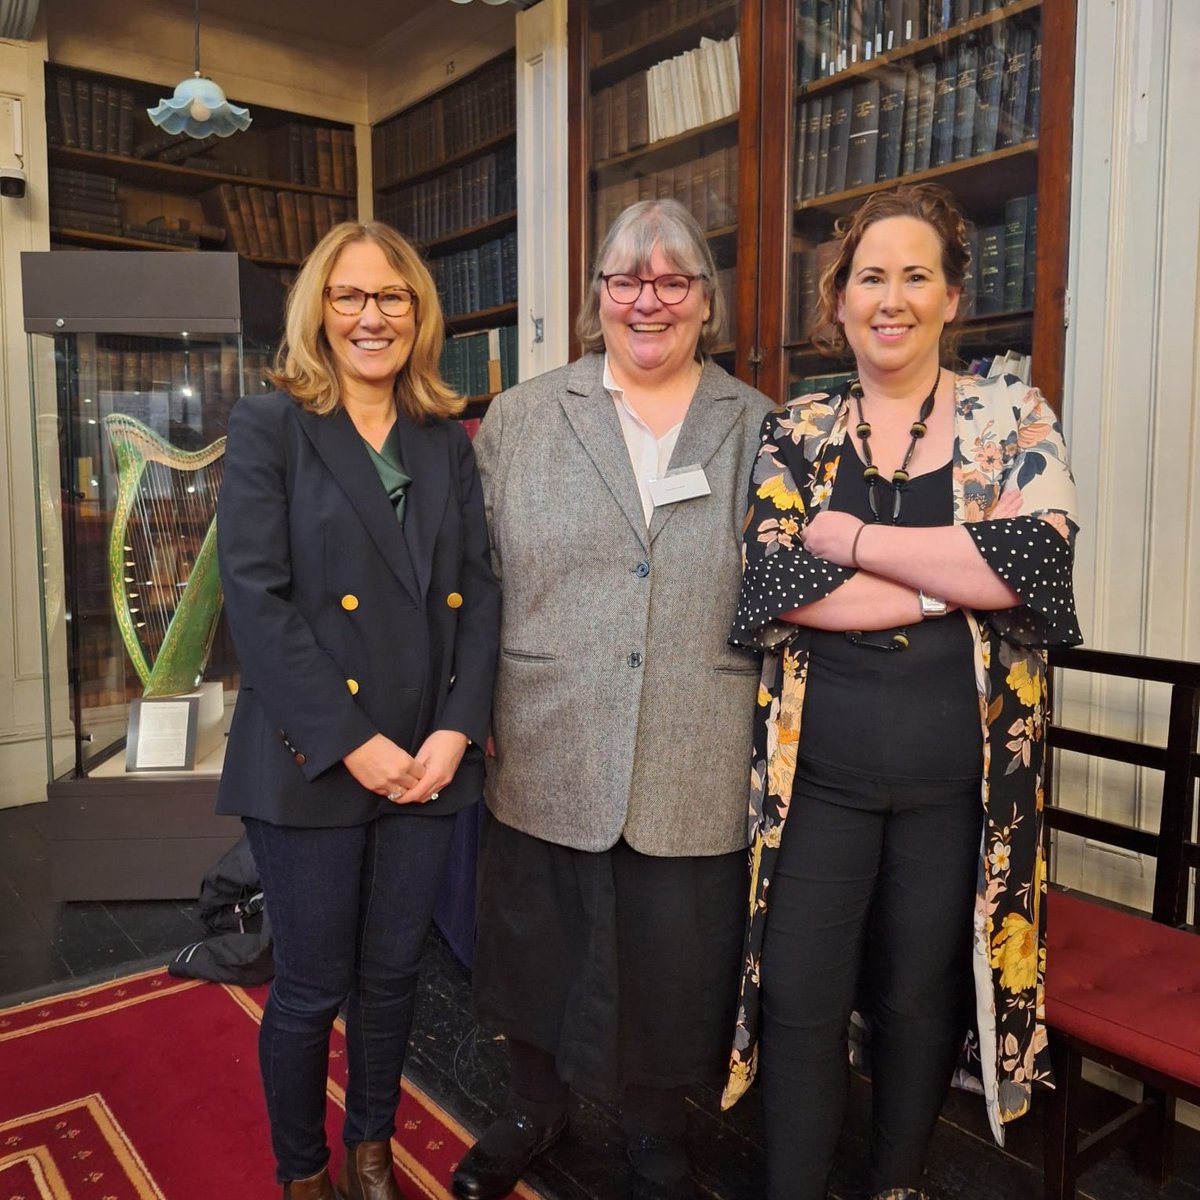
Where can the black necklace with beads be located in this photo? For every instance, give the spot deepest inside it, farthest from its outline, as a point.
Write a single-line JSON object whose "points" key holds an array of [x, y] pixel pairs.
{"points": [[899, 637], [900, 474]]}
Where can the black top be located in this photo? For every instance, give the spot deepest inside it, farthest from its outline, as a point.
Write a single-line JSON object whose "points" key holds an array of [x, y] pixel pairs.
{"points": [[895, 714]]}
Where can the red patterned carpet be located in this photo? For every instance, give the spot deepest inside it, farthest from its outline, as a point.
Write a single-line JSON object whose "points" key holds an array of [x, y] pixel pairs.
{"points": [[147, 1089]]}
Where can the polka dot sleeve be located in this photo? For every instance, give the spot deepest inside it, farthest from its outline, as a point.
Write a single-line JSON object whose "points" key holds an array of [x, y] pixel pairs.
{"points": [[1034, 559], [778, 574]]}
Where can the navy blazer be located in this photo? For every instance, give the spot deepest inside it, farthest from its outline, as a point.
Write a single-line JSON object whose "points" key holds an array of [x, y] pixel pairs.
{"points": [[346, 623]]}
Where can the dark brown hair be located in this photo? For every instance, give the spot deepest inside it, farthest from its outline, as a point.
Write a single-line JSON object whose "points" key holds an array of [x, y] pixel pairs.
{"points": [[925, 202]]}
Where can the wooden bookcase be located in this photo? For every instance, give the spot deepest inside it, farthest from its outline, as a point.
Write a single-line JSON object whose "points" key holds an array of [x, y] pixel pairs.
{"points": [[445, 174], [661, 118], [791, 77], [118, 182]]}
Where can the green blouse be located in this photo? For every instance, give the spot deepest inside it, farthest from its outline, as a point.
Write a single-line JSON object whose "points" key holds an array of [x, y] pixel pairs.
{"points": [[389, 466]]}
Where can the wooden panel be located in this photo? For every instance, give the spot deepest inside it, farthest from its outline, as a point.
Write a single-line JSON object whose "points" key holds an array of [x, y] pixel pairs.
{"points": [[579, 222], [1054, 198], [141, 839]]}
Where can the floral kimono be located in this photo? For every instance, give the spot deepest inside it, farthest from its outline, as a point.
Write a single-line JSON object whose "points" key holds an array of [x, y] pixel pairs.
{"points": [[1006, 440]]}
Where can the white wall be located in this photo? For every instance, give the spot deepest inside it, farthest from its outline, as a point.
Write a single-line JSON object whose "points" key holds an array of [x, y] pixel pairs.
{"points": [[1132, 386], [544, 318], [23, 226]]}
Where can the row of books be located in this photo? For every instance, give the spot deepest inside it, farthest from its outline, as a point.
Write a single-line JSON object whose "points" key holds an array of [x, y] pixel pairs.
{"points": [[642, 23], [999, 279], [89, 203], [673, 96], [482, 277], [833, 35], [481, 363], [449, 124], [165, 385], [467, 196], [706, 186], [1011, 362], [825, 384], [88, 115], [727, 286], [314, 155], [1004, 255], [977, 98], [106, 678], [208, 153], [268, 224]]}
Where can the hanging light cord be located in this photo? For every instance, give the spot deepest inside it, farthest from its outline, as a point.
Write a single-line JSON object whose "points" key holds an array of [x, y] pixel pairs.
{"points": [[197, 39]]}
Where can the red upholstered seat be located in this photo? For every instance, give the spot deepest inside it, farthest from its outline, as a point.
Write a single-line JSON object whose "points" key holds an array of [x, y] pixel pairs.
{"points": [[1125, 984]]}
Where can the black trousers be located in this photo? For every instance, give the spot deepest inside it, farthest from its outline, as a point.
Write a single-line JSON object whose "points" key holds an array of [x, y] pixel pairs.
{"points": [[871, 906], [622, 966]]}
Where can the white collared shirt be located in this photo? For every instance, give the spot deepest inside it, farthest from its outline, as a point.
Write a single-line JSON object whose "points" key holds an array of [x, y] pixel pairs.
{"points": [[649, 455]]}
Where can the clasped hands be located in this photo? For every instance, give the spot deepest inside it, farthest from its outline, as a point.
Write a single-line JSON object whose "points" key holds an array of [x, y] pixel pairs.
{"points": [[383, 767]]}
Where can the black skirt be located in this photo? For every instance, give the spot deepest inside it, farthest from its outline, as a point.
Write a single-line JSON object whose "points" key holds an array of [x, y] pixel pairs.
{"points": [[622, 965]]}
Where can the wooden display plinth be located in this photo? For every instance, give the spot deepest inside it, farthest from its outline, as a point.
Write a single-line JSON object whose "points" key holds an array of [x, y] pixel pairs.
{"points": [[118, 836]]}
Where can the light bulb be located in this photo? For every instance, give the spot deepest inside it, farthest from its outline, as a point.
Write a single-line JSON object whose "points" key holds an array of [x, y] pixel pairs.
{"points": [[200, 112]]}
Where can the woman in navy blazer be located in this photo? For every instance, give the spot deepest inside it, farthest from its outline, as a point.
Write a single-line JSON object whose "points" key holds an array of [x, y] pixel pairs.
{"points": [[354, 560]]}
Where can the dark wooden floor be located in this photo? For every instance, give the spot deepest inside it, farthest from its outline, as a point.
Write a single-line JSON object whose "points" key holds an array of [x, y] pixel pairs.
{"points": [[47, 947]]}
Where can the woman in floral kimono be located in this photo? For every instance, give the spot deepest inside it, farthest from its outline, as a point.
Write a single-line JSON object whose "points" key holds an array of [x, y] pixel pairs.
{"points": [[907, 555]]}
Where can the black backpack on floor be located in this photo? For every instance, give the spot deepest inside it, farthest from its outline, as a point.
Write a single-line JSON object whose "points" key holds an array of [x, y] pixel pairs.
{"points": [[231, 907]]}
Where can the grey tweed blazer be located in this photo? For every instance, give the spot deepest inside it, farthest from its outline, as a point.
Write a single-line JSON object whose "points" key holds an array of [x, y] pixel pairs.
{"points": [[620, 708]]}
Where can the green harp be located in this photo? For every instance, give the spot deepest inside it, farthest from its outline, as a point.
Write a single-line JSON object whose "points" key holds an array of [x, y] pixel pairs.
{"points": [[162, 554]]}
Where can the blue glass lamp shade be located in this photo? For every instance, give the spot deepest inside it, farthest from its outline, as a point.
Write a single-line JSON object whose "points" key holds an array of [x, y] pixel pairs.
{"points": [[199, 108]]}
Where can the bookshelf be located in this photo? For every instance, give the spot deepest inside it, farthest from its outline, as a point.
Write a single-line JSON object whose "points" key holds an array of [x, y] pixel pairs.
{"points": [[118, 182], [888, 91], [445, 176], [660, 113]]}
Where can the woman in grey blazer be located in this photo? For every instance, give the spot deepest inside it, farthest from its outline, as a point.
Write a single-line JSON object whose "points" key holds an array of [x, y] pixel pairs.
{"points": [[354, 558], [613, 865]]}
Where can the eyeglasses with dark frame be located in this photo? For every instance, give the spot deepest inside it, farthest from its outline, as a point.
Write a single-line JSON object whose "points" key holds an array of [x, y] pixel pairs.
{"points": [[671, 289], [392, 302]]}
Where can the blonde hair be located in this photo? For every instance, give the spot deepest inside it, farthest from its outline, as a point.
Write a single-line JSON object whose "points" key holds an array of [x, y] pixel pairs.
{"points": [[629, 246], [926, 202], [305, 366]]}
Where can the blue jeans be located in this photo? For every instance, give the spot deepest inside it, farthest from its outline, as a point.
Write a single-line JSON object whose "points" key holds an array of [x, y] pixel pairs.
{"points": [[350, 910]]}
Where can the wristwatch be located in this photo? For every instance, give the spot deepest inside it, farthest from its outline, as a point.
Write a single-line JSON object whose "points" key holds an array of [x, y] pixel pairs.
{"points": [[931, 607]]}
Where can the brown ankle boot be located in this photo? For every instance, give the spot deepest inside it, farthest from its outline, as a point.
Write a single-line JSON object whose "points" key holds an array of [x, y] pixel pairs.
{"points": [[367, 1173], [316, 1187]]}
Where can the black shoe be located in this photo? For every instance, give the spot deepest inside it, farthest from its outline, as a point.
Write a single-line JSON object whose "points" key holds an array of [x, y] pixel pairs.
{"points": [[660, 1170], [492, 1167]]}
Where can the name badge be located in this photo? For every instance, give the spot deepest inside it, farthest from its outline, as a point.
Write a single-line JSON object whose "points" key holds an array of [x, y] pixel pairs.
{"points": [[683, 483]]}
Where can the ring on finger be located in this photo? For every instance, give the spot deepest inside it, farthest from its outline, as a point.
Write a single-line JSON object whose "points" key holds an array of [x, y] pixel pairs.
{"points": [[395, 795]]}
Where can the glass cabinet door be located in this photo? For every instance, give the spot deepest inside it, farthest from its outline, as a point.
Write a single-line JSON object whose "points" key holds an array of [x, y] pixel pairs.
{"points": [[895, 91], [663, 81]]}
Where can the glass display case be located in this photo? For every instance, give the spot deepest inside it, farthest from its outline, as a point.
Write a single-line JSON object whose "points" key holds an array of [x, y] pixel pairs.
{"points": [[136, 360]]}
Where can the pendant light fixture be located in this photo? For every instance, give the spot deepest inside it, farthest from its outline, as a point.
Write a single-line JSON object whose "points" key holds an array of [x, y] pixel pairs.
{"points": [[198, 107]]}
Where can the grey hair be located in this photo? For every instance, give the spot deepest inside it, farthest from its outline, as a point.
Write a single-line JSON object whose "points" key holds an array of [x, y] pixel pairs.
{"points": [[629, 246]]}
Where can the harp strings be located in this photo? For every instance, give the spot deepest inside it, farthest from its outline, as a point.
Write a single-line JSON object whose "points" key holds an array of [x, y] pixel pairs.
{"points": [[171, 513]]}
